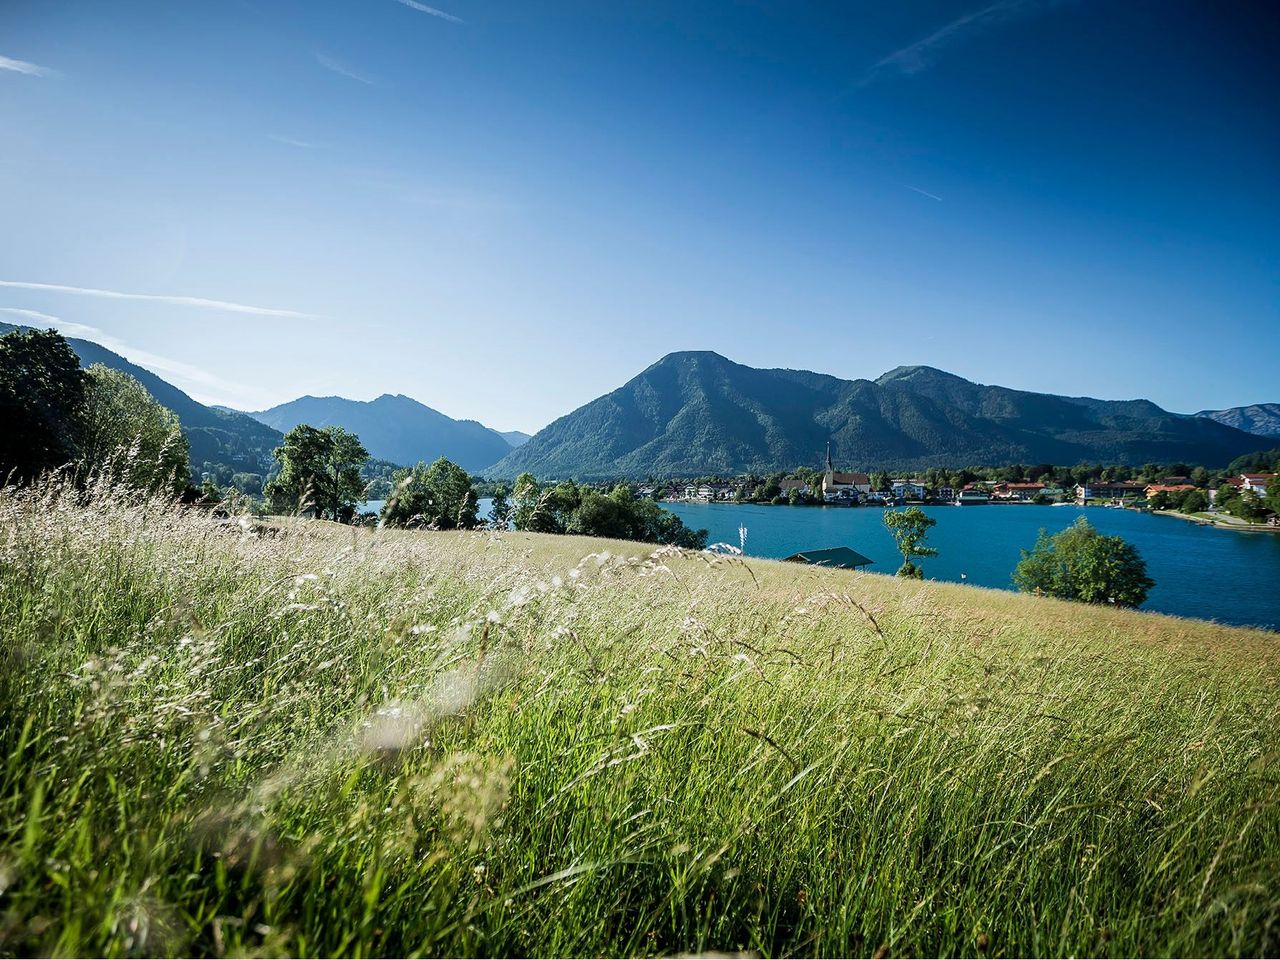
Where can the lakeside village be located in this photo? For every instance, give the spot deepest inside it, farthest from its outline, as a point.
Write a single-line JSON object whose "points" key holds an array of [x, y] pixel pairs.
{"points": [[1246, 497]]}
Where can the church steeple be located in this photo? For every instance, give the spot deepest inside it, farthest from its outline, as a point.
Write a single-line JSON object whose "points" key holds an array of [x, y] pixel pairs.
{"points": [[830, 469]]}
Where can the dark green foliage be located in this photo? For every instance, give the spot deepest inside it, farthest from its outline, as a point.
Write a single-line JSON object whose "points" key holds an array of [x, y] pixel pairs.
{"points": [[249, 484], [570, 508], [500, 509], [377, 475], [1263, 461], [1194, 502], [542, 511], [42, 392], [909, 528], [438, 497], [697, 413], [1081, 564], [319, 472]]}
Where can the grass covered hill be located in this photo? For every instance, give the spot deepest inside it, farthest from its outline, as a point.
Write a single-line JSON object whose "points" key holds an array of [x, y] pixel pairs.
{"points": [[310, 739], [697, 413]]}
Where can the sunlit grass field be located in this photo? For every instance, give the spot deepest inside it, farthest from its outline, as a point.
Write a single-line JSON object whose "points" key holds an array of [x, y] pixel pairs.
{"points": [[218, 739]]}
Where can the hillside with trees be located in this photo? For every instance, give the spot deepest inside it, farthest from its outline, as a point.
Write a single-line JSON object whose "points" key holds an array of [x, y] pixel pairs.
{"points": [[89, 424], [697, 413], [217, 437]]}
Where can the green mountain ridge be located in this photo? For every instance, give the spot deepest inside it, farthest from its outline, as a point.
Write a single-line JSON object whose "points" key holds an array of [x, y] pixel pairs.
{"points": [[698, 413]]}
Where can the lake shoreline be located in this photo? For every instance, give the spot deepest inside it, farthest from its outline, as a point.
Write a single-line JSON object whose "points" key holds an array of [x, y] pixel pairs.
{"points": [[1198, 574], [1219, 524]]}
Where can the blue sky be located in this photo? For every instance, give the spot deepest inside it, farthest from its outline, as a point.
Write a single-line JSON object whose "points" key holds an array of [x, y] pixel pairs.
{"points": [[507, 209]]}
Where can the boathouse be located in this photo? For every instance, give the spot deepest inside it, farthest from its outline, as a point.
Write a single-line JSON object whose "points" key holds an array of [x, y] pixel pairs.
{"points": [[841, 558]]}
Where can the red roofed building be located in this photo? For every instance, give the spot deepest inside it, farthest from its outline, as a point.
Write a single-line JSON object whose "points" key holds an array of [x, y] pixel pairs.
{"points": [[1154, 488], [1017, 491]]}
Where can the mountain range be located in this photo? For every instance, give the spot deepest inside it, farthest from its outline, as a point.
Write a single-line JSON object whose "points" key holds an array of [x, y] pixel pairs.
{"points": [[697, 413], [396, 428], [1260, 418]]}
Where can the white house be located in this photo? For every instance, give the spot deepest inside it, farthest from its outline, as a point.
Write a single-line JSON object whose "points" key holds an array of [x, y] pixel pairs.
{"points": [[1256, 482], [1108, 490], [908, 489]]}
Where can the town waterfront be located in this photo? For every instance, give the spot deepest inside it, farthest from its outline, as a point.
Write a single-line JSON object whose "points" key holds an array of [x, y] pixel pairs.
{"points": [[1222, 575]]}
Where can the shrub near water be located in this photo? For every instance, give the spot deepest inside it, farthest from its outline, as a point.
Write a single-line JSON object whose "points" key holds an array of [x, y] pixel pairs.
{"points": [[222, 739]]}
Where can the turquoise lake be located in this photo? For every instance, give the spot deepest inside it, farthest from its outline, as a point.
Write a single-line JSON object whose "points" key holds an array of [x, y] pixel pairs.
{"points": [[1213, 574]]}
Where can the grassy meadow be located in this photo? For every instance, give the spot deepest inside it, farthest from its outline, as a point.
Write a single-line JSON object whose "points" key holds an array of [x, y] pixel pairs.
{"points": [[222, 740]]}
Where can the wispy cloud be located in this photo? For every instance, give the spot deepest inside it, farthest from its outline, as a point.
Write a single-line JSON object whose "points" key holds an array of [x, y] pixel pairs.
{"points": [[292, 142], [923, 193], [423, 8], [200, 383], [342, 70], [917, 56], [158, 298], [35, 315], [21, 66]]}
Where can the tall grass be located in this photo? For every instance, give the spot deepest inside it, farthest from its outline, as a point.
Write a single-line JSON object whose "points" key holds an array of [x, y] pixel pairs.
{"points": [[228, 739]]}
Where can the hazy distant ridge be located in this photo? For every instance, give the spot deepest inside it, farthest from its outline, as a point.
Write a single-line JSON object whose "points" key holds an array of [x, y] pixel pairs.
{"points": [[1262, 419], [395, 428]]}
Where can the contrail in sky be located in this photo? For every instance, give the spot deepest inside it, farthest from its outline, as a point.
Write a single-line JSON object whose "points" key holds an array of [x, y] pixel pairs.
{"points": [[923, 193], [158, 298]]}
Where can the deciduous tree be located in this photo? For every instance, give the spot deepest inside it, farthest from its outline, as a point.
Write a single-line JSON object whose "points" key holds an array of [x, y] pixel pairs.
{"points": [[1195, 501], [501, 509], [909, 528], [439, 496], [127, 433], [1079, 563], [319, 471], [42, 391]]}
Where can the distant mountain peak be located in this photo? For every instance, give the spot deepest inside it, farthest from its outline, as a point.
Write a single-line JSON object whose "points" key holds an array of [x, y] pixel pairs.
{"points": [[698, 357], [516, 438], [395, 427], [1262, 419], [694, 355], [919, 372]]}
